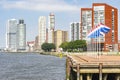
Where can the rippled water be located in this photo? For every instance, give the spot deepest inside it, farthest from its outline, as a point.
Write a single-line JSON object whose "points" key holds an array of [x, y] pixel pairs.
{"points": [[31, 66]]}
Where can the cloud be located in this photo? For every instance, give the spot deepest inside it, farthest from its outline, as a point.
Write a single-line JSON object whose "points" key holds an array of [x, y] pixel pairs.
{"points": [[40, 5]]}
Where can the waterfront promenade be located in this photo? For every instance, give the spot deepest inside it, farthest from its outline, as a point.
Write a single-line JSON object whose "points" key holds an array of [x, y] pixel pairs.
{"points": [[93, 67]]}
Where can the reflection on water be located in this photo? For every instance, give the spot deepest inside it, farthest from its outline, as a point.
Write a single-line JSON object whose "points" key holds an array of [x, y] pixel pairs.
{"points": [[31, 66]]}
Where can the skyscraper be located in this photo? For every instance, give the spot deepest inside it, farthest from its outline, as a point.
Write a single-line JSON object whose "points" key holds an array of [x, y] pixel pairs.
{"points": [[21, 35], [11, 35], [51, 26], [74, 31], [42, 30], [105, 14]]}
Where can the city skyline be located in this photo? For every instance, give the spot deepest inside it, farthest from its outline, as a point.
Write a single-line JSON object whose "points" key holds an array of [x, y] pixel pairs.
{"points": [[16, 35], [66, 11]]}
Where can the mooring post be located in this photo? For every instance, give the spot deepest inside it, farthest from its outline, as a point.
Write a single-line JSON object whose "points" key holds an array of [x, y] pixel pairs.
{"points": [[100, 71], [81, 77], [105, 76], [89, 76], [67, 68], [118, 77], [78, 72]]}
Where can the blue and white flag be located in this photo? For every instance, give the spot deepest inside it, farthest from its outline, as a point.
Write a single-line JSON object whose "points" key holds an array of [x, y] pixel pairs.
{"points": [[100, 30]]}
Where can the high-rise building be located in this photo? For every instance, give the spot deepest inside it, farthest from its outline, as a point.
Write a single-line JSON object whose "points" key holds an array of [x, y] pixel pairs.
{"points": [[105, 14], [21, 36], [86, 22], [36, 47], [108, 15], [11, 35], [74, 31], [60, 37], [42, 30], [51, 26]]}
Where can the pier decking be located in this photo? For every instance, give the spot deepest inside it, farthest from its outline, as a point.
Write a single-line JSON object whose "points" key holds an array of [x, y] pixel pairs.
{"points": [[93, 67]]}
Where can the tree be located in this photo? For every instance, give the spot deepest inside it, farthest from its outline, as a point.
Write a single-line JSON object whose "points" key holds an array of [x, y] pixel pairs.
{"points": [[64, 46], [51, 46], [44, 46], [48, 46], [78, 45]]}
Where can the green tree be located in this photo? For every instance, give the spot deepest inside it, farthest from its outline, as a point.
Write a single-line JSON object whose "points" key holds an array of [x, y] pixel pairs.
{"points": [[48, 46], [71, 46], [78, 45], [44, 46], [52, 46], [64, 46]]}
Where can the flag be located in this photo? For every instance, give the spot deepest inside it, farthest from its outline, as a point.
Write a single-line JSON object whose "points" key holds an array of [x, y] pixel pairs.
{"points": [[100, 30]]}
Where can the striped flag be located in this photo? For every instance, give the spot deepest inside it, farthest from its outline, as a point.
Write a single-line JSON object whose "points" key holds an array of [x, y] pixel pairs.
{"points": [[98, 30]]}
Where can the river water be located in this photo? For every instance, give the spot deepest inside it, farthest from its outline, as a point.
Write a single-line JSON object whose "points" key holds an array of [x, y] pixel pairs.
{"points": [[31, 66]]}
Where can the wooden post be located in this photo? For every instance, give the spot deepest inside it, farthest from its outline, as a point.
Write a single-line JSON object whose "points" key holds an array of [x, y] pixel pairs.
{"points": [[105, 77], [89, 76], [67, 69], [81, 77], [118, 77], [78, 72], [100, 71]]}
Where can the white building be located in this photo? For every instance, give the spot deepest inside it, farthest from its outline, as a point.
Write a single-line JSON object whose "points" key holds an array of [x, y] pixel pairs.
{"points": [[51, 26], [11, 34], [74, 31], [42, 30], [86, 22], [21, 36]]}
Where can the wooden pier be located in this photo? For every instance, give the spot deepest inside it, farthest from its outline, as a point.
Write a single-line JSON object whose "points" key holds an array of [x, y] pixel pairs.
{"points": [[93, 67]]}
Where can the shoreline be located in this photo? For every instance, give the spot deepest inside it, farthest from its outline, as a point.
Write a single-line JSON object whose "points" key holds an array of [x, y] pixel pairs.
{"points": [[57, 54]]}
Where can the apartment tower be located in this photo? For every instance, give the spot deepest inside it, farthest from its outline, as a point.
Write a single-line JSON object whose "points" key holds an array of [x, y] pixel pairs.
{"points": [[60, 37], [86, 22], [105, 14], [51, 27], [42, 31], [74, 31]]}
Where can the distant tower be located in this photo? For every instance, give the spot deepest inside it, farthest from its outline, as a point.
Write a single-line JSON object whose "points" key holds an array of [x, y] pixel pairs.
{"points": [[11, 34], [42, 30], [60, 37], [51, 26], [74, 31], [21, 36]]}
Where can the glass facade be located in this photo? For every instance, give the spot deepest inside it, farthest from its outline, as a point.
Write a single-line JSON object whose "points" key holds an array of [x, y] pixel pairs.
{"points": [[11, 34], [21, 36]]}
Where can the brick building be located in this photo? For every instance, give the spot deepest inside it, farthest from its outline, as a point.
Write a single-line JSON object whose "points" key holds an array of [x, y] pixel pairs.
{"points": [[101, 13]]}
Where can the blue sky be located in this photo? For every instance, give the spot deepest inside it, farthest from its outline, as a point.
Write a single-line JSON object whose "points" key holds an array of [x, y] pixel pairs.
{"points": [[65, 11]]}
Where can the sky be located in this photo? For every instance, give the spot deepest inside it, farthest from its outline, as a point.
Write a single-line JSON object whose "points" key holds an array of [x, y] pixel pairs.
{"points": [[66, 11]]}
